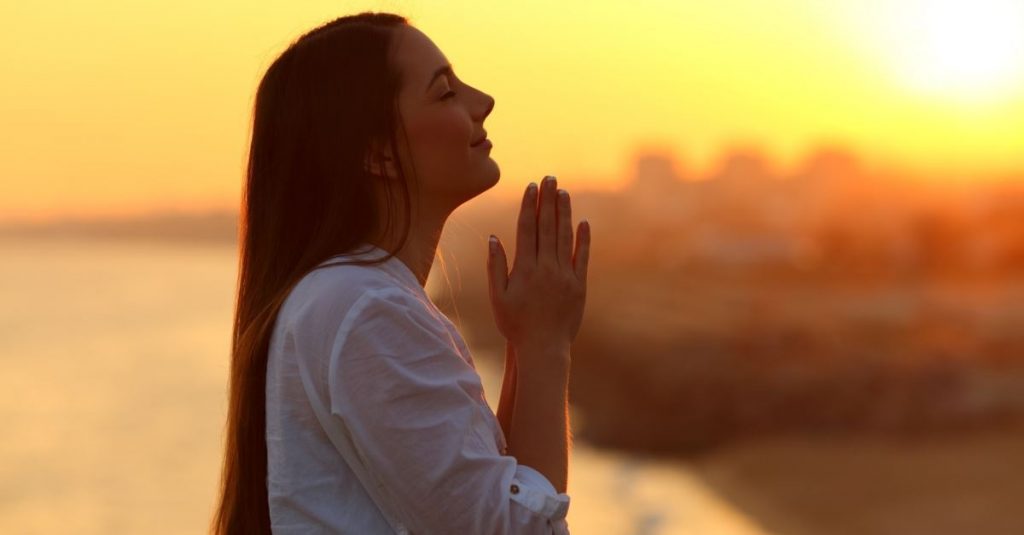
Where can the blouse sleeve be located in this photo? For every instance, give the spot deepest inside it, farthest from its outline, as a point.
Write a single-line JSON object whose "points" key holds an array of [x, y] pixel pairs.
{"points": [[398, 385]]}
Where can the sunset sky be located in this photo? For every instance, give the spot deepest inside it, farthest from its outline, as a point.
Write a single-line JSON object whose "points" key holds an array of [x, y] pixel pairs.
{"points": [[118, 107]]}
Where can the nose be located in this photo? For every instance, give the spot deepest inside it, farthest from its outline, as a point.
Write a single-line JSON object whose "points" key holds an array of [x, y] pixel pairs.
{"points": [[488, 106]]}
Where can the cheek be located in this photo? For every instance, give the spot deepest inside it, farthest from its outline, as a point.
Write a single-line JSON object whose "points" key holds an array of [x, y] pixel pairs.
{"points": [[440, 133]]}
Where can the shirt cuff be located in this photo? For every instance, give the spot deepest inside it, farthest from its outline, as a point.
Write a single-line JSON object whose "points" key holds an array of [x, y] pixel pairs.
{"points": [[535, 492]]}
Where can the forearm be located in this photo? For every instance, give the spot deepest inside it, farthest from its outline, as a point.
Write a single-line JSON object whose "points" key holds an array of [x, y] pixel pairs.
{"points": [[507, 402], [541, 414]]}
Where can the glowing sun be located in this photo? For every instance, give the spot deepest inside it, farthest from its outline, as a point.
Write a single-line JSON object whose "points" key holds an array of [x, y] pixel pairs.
{"points": [[960, 48]]}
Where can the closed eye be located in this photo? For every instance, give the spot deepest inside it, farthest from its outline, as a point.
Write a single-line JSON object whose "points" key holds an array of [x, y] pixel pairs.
{"points": [[448, 95]]}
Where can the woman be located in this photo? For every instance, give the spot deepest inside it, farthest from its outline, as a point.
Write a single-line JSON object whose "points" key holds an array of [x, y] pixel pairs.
{"points": [[354, 404]]}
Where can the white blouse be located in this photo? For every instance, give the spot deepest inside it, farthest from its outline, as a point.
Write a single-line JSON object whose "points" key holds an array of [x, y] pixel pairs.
{"points": [[377, 421]]}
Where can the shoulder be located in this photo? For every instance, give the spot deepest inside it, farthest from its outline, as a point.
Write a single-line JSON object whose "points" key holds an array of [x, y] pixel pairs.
{"points": [[393, 317], [400, 322], [327, 296]]}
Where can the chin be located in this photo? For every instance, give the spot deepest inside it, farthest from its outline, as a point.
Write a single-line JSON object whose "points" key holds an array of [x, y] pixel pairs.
{"points": [[493, 169], [482, 182], [493, 176]]}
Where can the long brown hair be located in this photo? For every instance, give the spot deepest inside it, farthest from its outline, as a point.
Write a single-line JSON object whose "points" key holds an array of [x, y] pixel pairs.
{"points": [[308, 197]]}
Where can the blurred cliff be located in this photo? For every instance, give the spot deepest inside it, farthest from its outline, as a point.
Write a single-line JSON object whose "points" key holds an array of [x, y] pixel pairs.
{"points": [[827, 298]]}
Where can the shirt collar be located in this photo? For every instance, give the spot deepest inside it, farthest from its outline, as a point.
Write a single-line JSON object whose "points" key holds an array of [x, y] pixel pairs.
{"points": [[393, 265]]}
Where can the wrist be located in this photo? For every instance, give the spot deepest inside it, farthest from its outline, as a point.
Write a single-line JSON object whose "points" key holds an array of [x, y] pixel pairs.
{"points": [[532, 347], [543, 360]]}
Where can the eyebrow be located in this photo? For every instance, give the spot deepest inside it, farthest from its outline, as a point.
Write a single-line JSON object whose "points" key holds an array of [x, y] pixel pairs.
{"points": [[446, 69]]}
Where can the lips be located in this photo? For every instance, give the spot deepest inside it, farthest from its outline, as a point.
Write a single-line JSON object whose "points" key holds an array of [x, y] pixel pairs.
{"points": [[480, 140]]}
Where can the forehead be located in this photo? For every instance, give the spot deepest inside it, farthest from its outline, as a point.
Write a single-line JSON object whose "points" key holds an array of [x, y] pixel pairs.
{"points": [[416, 56]]}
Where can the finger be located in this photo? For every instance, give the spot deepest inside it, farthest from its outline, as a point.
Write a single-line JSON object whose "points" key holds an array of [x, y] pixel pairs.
{"points": [[582, 257], [546, 246], [564, 228], [497, 269], [526, 231]]}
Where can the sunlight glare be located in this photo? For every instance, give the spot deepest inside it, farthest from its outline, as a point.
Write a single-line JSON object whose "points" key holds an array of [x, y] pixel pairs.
{"points": [[964, 48]]}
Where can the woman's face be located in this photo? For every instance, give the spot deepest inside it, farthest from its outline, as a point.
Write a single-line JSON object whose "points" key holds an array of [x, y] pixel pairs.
{"points": [[442, 116]]}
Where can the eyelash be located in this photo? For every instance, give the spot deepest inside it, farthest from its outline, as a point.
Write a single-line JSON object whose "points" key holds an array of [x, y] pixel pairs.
{"points": [[448, 95]]}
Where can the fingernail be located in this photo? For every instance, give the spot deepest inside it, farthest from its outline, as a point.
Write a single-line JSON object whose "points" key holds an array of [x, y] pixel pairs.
{"points": [[562, 194], [532, 188], [494, 244]]}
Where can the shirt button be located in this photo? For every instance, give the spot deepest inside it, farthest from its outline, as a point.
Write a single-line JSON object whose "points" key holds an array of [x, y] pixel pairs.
{"points": [[515, 489]]}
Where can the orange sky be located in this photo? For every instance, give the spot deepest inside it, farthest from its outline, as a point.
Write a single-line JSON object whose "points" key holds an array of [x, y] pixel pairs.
{"points": [[123, 107]]}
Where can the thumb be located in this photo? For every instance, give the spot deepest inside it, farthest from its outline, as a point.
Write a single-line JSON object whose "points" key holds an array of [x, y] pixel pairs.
{"points": [[497, 268]]}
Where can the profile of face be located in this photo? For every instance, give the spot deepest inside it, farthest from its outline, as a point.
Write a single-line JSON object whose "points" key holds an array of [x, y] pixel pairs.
{"points": [[442, 117]]}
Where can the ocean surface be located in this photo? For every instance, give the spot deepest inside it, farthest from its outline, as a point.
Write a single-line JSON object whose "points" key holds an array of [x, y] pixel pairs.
{"points": [[113, 376]]}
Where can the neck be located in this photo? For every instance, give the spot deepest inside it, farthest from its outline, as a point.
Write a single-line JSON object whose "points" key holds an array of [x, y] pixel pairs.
{"points": [[421, 246]]}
